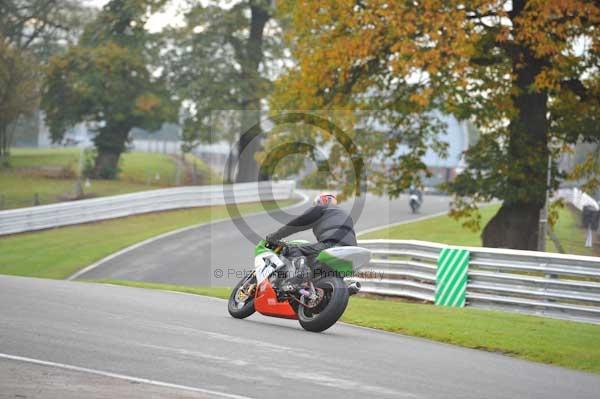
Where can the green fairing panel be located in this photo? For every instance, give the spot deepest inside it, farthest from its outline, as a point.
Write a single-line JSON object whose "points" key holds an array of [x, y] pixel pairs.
{"points": [[261, 248], [345, 260], [337, 264]]}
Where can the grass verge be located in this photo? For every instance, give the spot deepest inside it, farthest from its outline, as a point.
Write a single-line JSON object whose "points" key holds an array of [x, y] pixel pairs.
{"points": [[446, 230], [557, 342], [571, 235], [60, 252], [442, 229], [51, 173], [562, 343]]}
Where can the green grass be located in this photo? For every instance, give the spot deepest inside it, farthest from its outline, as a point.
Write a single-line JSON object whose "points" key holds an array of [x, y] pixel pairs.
{"points": [[211, 177], [442, 229], [58, 253], [18, 190], [570, 234], [137, 167], [39, 157], [34, 171], [446, 230], [562, 343]]}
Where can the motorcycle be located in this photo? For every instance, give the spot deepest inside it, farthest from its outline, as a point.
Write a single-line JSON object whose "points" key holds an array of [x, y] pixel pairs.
{"points": [[415, 202], [316, 301]]}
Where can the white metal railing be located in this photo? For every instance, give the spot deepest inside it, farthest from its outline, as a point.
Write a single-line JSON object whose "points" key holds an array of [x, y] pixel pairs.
{"points": [[539, 283], [90, 210]]}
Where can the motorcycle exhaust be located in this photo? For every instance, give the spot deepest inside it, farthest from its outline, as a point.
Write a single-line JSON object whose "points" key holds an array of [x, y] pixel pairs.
{"points": [[354, 287]]}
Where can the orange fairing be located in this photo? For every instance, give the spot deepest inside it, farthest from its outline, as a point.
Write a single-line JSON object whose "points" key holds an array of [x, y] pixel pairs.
{"points": [[266, 303]]}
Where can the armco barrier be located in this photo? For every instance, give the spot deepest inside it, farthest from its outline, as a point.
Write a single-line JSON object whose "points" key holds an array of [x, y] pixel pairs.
{"points": [[75, 212], [539, 283]]}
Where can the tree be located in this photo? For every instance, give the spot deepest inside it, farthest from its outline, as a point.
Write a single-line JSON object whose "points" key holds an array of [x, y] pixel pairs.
{"points": [[220, 61], [18, 90], [42, 26], [526, 72], [30, 31], [106, 81]]}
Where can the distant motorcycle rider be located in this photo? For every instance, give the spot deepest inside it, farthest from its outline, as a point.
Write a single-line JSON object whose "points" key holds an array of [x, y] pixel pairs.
{"points": [[331, 225], [413, 190]]}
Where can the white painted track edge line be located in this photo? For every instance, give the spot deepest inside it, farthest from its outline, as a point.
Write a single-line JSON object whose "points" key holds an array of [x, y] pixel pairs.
{"points": [[150, 240], [121, 376]]}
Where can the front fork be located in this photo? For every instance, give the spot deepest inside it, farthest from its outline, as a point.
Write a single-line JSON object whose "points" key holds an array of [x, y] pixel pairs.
{"points": [[248, 288]]}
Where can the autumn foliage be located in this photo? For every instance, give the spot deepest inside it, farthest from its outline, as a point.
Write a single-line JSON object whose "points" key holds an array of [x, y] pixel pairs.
{"points": [[525, 72]]}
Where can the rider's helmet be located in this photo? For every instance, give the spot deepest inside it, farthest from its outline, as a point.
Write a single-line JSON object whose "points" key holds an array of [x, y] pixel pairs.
{"points": [[325, 199]]}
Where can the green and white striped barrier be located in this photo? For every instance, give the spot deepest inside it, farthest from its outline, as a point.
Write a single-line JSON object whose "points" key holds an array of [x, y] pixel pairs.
{"points": [[451, 277]]}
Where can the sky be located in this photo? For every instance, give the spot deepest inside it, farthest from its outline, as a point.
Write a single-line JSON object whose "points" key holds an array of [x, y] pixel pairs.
{"points": [[169, 16]]}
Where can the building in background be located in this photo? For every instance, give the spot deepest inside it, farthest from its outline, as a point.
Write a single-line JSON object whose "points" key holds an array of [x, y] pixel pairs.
{"points": [[459, 135]]}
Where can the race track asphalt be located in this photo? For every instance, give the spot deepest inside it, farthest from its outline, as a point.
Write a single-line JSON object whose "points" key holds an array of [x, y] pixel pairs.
{"points": [[216, 254], [64, 339]]}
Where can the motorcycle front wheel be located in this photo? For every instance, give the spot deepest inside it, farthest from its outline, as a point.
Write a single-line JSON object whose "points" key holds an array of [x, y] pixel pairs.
{"points": [[329, 310], [240, 304], [414, 206]]}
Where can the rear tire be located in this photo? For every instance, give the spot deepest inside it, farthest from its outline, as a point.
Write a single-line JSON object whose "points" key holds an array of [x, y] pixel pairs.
{"points": [[238, 309], [336, 292]]}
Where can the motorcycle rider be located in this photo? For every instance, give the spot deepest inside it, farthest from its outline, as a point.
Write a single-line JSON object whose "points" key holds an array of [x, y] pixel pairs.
{"points": [[331, 225], [414, 190]]}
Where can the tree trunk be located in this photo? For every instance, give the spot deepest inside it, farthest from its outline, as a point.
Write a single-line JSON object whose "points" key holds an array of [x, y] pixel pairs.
{"points": [[251, 137], [4, 144], [516, 225], [248, 145], [110, 144], [3, 153], [106, 164]]}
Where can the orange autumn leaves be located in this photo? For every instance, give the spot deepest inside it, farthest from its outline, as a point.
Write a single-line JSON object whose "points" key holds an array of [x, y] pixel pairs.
{"points": [[346, 47]]}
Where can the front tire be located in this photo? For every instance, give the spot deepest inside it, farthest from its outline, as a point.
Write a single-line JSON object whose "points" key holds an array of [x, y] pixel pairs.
{"points": [[334, 305], [238, 306], [414, 206]]}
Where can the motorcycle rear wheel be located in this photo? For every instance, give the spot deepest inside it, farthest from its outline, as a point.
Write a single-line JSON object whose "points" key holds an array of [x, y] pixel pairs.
{"points": [[238, 308], [331, 308]]}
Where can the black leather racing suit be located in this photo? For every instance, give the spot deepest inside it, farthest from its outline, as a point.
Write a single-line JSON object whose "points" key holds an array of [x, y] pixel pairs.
{"points": [[332, 226]]}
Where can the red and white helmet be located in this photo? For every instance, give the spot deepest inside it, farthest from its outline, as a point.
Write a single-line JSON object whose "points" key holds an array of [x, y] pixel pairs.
{"points": [[325, 199]]}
